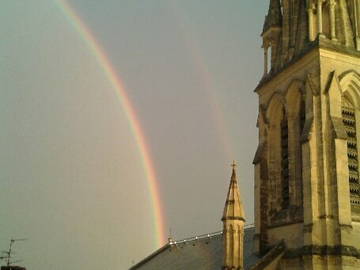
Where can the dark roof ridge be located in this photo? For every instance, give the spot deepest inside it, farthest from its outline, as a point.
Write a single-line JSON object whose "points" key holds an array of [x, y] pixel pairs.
{"points": [[208, 235], [173, 243], [194, 238]]}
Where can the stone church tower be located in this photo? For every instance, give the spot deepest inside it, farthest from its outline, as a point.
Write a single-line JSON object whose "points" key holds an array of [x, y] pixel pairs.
{"points": [[307, 188]]}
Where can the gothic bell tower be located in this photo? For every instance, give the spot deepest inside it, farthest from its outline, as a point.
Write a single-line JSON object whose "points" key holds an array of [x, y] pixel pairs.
{"points": [[307, 188]]}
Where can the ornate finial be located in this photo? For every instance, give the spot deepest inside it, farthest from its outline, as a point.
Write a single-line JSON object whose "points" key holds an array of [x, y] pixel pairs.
{"points": [[170, 239], [233, 165]]}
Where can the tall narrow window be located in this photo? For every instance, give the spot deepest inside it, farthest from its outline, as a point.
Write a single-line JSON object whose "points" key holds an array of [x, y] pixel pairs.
{"points": [[300, 152], [349, 120], [285, 162], [302, 116], [269, 58]]}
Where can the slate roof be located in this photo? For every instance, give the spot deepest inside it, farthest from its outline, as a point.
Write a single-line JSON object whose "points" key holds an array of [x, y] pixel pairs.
{"points": [[199, 253]]}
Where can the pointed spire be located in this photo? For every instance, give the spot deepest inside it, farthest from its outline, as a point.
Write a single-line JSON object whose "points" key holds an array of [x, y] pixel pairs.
{"points": [[274, 17], [233, 206]]}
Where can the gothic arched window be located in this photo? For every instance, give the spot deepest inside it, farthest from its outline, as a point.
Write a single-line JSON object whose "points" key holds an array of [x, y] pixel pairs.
{"points": [[276, 117], [349, 120]]}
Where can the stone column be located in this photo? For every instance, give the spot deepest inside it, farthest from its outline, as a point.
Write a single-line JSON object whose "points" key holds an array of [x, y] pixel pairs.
{"points": [[227, 240], [319, 12], [266, 61], [311, 22], [236, 252], [356, 4], [333, 20]]}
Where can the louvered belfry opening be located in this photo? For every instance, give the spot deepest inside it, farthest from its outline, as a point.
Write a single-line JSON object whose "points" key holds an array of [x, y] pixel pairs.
{"points": [[349, 120], [285, 162]]}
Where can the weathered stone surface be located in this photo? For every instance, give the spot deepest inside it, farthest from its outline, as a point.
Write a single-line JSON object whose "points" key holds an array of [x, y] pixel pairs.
{"points": [[314, 162]]}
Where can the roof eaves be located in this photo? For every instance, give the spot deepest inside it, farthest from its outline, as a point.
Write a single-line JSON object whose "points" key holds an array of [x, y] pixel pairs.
{"points": [[150, 257]]}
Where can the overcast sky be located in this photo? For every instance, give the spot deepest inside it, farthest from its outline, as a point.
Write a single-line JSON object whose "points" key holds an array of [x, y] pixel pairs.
{"points": [[72, 180]]}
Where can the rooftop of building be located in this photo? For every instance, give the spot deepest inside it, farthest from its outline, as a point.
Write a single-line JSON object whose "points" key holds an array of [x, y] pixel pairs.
{"points": [[204, 252]]}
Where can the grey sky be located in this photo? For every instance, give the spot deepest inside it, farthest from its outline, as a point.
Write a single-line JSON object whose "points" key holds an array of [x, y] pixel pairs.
{"points": [[71, 175]]}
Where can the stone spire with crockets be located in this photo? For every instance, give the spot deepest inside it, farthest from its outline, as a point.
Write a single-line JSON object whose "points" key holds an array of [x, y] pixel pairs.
{"points": [[233, 226]]}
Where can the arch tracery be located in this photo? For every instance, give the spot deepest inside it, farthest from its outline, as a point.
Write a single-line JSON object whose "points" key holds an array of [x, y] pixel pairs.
{"points": [[285, 116]]}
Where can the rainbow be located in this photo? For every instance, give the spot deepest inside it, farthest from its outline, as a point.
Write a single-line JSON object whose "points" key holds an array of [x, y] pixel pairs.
{"points": [[103, 60], [202, 70]]}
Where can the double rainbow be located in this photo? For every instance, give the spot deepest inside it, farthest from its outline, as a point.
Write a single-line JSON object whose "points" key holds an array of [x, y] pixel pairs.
{"points": [[103, 60]]}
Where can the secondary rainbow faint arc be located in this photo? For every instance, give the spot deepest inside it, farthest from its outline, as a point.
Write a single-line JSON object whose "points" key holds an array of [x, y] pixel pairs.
{"points": [[206, 77], [116, 82]]}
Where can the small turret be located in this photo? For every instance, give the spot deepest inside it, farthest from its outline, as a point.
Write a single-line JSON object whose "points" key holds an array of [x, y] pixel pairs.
{"points": [[233, 226], [274, 17], [271, 34]]}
